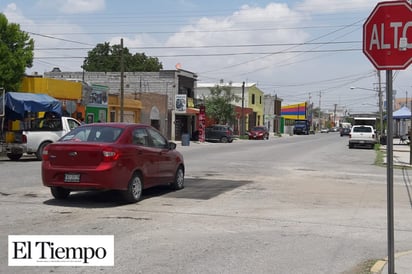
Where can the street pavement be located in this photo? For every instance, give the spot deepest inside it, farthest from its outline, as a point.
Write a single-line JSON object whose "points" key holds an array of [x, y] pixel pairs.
{"points": [[401, 159], [403, 260]]}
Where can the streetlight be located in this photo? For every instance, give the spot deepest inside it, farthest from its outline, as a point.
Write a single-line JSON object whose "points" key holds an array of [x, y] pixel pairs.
{"points": [[380, 105]]}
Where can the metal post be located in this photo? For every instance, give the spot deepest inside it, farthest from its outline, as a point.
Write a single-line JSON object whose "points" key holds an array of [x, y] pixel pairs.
{"points": [[380, 104], [389, 161], [166, 125], [121, 82]]}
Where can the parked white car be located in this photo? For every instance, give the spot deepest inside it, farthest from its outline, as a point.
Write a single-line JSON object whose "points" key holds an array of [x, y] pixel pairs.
{"points": [[362, 136]]}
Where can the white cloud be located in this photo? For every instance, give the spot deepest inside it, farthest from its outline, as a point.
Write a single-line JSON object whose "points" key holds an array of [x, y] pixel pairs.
{"points": [[333, 6], [82, 6], [274, 24], [14, 15], [39, 31], [74, 6]]}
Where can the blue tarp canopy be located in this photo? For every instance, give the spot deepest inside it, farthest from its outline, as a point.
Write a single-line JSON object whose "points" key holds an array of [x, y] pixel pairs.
{"points": [[18, 103], [402, 113]]}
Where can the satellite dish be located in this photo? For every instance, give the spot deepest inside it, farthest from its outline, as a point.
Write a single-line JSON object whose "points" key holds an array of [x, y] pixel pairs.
{"points": [[70, 107]]}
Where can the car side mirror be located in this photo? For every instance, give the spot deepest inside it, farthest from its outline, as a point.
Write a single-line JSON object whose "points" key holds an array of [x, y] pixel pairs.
{"points": [[172, 145]]}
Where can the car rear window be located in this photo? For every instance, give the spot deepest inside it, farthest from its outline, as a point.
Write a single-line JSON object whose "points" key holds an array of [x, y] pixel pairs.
{"points": [[362, 129], [102, 134]]}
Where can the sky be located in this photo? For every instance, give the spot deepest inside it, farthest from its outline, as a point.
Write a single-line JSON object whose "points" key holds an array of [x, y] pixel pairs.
{"points": [[303, 50]]}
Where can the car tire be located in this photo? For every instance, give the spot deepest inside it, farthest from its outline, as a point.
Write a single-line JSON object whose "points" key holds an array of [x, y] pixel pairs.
{"points": [[224, 139], [59, 193], [179, 180], [39, 152], [14, 157], [134, 189]]}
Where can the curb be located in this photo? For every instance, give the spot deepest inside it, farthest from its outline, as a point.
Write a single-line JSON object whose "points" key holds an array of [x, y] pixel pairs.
{"points": [[378, 267]]}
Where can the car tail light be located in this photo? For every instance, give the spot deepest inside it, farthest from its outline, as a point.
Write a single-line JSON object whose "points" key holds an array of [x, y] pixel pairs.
{"points": [[350, 135], [23, 138], [45, 154], [110, 154]]}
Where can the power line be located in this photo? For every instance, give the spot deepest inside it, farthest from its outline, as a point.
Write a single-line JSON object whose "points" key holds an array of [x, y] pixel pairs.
{"points": [[221, 46], [220, 54]]}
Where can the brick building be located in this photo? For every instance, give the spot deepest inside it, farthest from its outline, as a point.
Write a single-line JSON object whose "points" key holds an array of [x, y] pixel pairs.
{"points": [[151, 88]]}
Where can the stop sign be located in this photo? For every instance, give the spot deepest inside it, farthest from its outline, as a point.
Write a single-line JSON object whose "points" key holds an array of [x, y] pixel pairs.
{"points": [[387, 35]]}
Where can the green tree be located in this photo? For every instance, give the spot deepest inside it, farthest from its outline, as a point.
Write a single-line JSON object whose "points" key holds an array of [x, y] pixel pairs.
{"points": [[16, 54], [105, 57], [219, 104]]}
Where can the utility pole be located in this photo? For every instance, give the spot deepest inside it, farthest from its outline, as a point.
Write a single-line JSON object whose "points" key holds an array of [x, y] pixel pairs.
{"points": [[242, 129], [121, 81], [320, 121]]}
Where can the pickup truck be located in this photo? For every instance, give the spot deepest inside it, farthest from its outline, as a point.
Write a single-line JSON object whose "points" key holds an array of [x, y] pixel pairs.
{"points": [[41, 133], [362, 136]]}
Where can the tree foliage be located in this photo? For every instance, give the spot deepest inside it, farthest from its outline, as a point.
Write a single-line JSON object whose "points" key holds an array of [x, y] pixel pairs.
{"points": [[16, 54], [105, 57], [219, 104]]}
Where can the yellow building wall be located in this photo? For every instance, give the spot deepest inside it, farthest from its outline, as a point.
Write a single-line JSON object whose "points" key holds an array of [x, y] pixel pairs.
{"points": [[258, 105], [59, 89], [129, 105]]}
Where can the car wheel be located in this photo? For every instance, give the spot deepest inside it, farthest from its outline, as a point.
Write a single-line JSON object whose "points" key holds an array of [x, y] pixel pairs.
{"points": [[224, 139], [179, 181], [59, 193], [134, 189], [14, 157], [39, 152]]}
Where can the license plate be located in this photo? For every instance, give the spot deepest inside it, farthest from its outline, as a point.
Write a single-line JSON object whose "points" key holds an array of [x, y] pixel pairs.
{"points": [[71, 178], [362, 142]]}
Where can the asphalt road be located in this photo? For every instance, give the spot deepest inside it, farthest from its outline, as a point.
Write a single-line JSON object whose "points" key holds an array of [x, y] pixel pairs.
{"points": [[295, 204]]}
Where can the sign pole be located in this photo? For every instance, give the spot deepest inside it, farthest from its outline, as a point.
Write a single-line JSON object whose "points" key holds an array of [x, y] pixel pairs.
{"points": [[389, 174]]}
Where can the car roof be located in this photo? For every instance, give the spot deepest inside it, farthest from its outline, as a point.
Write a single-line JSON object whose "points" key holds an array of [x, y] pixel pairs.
{"points": [[362, 126]]}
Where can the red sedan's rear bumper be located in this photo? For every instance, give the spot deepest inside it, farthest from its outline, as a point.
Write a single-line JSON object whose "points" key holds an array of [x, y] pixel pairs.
{"points": [[102, 178]]}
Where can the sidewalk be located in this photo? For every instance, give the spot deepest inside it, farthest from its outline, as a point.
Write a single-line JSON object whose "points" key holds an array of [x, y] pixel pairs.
{"points": [[403, 260], [401, 153]]}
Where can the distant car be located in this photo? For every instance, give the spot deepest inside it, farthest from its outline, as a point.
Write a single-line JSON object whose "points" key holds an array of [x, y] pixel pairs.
{"points": [[112, 156], [344, 131], [324, 130], [259, 132], [219, 133]]}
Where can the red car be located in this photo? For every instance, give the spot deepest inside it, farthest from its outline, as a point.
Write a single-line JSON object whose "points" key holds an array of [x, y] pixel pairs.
{"points": [[112, 156], [259, 132]]}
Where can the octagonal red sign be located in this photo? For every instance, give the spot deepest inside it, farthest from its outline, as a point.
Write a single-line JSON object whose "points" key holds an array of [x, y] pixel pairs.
{"points": [[387, 35]]}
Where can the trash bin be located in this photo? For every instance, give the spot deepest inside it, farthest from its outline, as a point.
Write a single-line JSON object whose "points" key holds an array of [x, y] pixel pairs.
{"points": [[383, 140], [185, 140]]}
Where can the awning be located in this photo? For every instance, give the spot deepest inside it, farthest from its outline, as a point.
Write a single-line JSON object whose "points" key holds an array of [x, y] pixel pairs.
{"points": [[192, 111], [402, 113]]}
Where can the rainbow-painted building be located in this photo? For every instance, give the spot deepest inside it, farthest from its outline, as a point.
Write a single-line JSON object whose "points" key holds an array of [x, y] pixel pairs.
{"points": [[295, 111]]}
